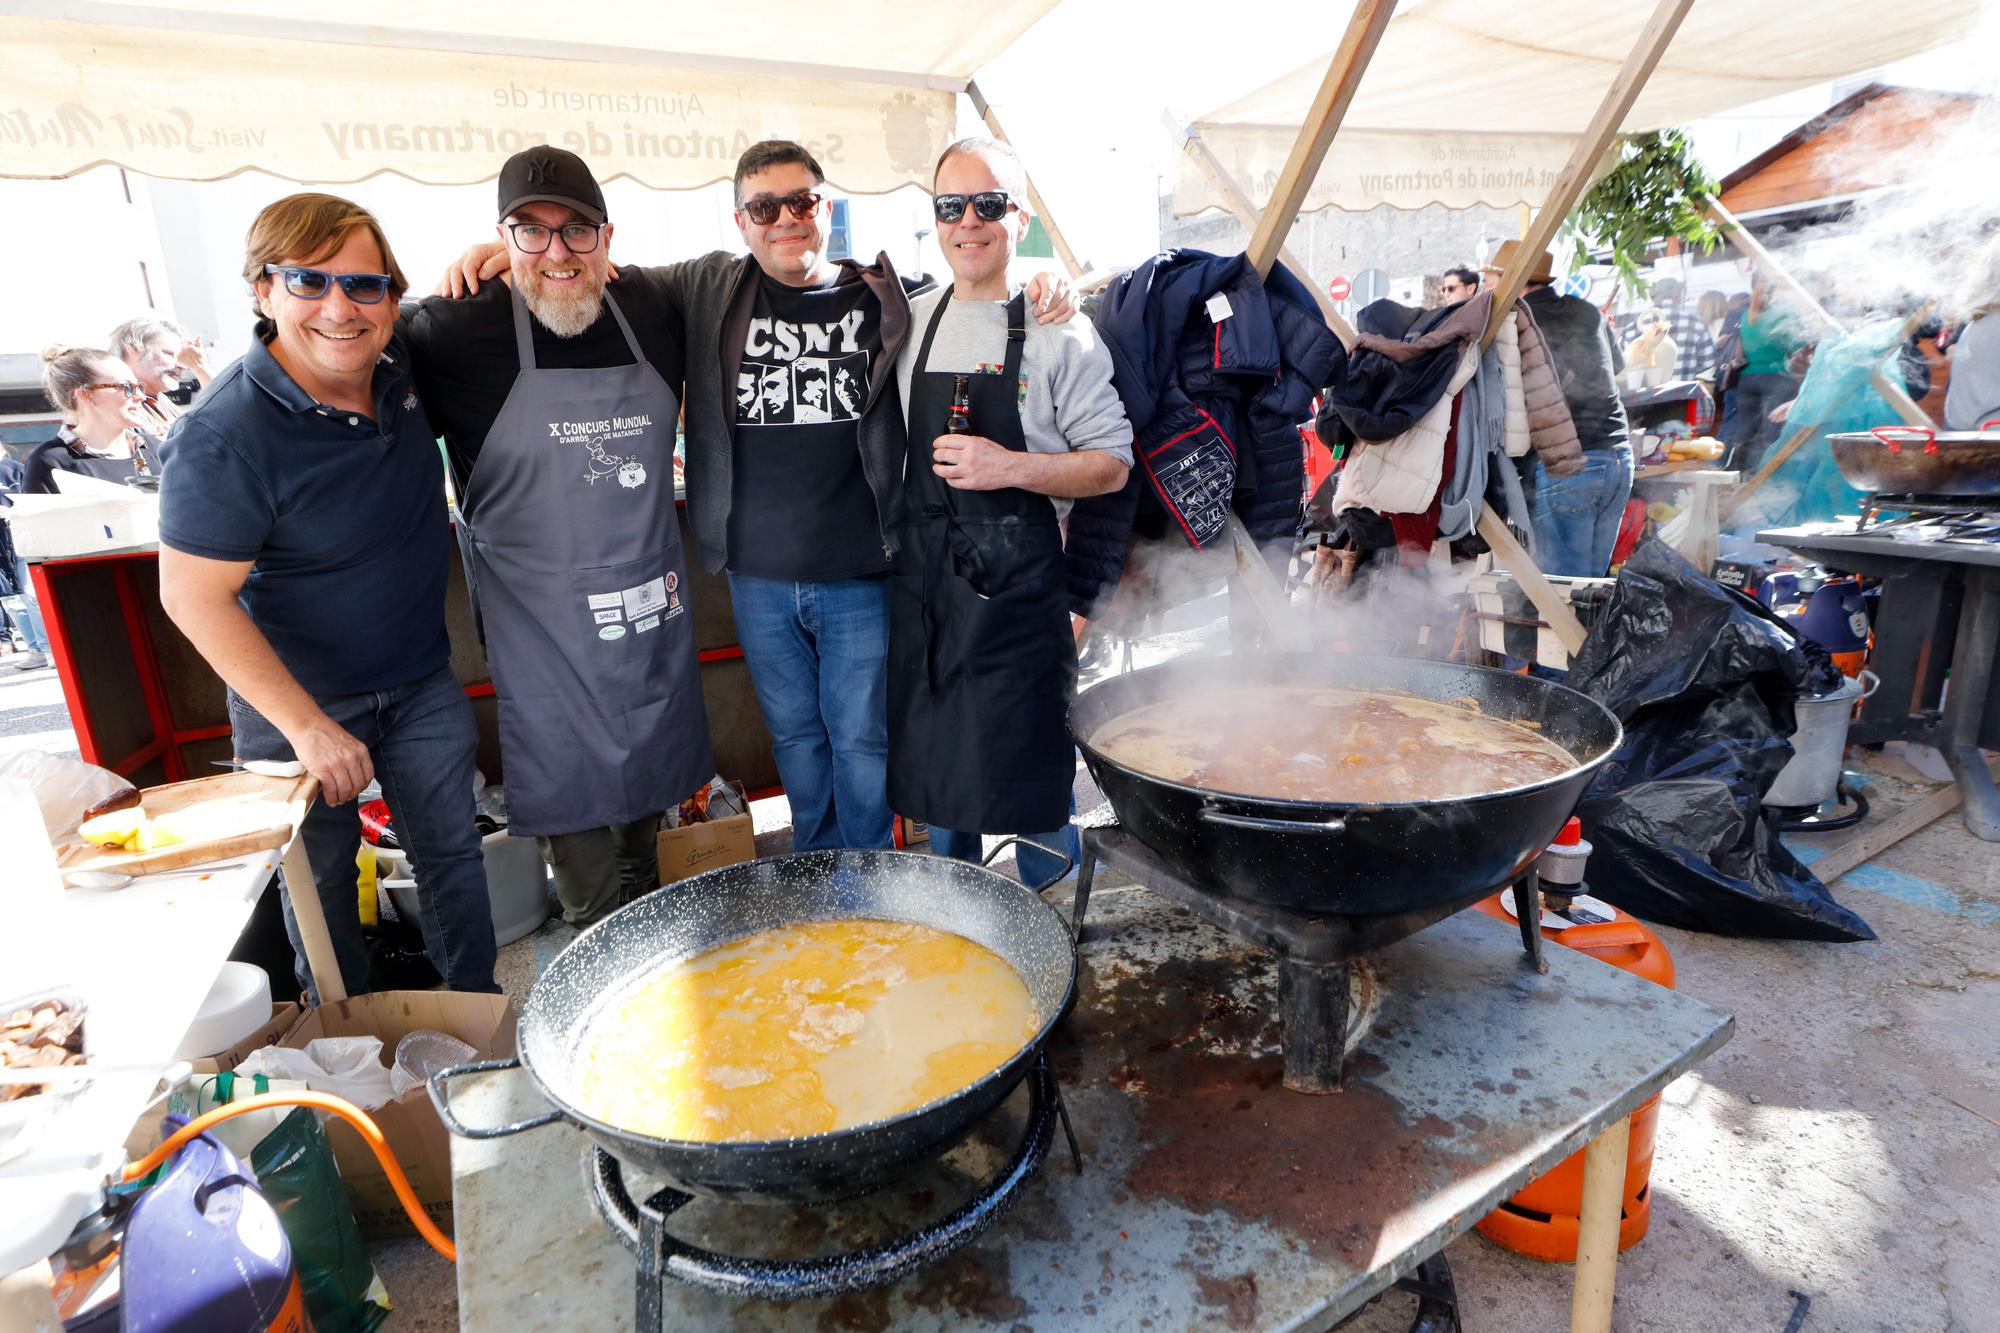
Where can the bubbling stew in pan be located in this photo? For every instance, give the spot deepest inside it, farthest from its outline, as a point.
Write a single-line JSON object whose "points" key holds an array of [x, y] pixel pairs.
{"points": [[1318, 743]]}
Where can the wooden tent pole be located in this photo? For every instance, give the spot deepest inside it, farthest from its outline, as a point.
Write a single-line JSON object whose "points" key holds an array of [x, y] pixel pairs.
{"points": [[1240, 204], [1739, 236], [1336, 91], [1063, 252], [1598, 136]]}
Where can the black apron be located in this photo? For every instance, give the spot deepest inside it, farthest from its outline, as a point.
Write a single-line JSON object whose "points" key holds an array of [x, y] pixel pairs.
{"points": [[981, 659], [581, 587]]}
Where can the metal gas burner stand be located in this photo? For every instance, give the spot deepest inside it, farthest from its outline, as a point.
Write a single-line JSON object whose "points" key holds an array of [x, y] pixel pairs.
{"points": [[1940, 610], [1315, 985], [1211, 1195]]}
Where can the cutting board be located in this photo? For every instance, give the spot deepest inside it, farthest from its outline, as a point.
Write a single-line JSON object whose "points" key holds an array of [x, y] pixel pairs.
{"points": [[240, 813]]}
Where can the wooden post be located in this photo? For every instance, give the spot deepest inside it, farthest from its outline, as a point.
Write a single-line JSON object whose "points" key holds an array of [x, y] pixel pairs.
{"points": [[1590, 149], [1240, 204], [1514, 557], [1336, 91], [1597, 1229], [1753, 249], [303, 889], [1063, 252]]}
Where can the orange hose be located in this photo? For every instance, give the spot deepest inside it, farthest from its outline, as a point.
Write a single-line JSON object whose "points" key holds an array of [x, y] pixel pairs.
{"points": [[346, 1110]]}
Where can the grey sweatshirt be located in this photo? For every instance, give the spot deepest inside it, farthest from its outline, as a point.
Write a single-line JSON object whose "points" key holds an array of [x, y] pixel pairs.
{"points": [[1067, 402]]}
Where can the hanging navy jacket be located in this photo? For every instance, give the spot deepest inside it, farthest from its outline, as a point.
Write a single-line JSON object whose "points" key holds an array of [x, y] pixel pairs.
{"points": [[1217, 370]]}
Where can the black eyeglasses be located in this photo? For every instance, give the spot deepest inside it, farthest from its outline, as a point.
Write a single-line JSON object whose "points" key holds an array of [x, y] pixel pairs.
{"points": [[987, 205], [763, 209], [532, 238], [310, 284], [126, 387]]}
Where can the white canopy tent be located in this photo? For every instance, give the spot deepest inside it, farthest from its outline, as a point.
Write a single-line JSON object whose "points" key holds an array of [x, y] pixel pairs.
{"points": [[661, 94], [1471, 102]]}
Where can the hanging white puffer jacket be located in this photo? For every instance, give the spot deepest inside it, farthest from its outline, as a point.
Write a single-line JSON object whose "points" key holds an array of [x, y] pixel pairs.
{"points": [[1507, 343], [1401, 476]]}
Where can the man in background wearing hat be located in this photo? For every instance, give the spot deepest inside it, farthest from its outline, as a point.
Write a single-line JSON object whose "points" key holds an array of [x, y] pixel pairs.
{"points": [[1576, 517], [558, 403]]}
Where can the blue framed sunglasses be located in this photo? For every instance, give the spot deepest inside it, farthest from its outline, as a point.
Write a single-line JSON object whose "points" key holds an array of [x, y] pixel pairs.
{"points": [[310, 284]]}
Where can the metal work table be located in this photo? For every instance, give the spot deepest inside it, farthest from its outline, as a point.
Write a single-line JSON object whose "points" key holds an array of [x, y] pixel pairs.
{"points": [[1209, 1194], [1940, 605]]}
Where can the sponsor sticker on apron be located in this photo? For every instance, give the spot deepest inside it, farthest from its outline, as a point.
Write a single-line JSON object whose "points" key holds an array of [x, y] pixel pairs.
{"points": [[611, 632], [608, 617], [650, 622], [600, 600], [645, 599]]}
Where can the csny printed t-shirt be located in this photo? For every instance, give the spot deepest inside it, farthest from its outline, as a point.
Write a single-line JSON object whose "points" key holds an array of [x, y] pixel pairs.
{"points": [[800, 507]]}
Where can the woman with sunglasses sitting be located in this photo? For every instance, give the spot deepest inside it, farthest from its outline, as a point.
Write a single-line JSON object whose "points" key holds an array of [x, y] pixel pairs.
{"points": [[104, 415]]}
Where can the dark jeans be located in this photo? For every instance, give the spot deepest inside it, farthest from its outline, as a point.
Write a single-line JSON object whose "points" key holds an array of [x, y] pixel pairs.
{"points": [[818, 655], [598, 869], [1751, 431], [1577, 517], [422, 741]]}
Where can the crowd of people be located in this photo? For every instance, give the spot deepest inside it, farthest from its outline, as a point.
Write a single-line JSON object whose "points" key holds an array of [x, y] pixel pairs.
{"points": [[896, 581], [881, 468], [116, 404]]}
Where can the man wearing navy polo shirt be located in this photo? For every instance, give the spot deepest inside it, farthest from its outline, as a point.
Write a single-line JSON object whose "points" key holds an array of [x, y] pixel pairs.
{"points": [[303, 551]]}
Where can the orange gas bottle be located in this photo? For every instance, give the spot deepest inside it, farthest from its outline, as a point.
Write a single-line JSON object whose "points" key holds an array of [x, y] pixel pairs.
{"points": [[1540, 1221]]}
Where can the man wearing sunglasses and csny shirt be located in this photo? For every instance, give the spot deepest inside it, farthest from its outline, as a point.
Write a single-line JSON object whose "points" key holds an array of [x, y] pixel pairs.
{"points": [[795, 448], [303, 551]]}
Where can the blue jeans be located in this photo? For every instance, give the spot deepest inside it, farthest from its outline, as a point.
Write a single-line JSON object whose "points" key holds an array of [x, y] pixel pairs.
{"points": [[422, 741], [1577, 517], [25, 611], [1037, 868], [818, 655]]}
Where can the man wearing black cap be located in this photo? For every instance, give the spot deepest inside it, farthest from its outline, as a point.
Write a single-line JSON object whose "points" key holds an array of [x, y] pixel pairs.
{"points": [[558, 403]]}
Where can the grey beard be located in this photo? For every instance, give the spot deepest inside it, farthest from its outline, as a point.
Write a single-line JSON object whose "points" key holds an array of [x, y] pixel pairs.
{"points": [[564, 316]]}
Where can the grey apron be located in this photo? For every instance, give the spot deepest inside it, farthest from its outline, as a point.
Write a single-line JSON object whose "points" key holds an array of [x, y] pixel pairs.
{"points": [[581, 586]]}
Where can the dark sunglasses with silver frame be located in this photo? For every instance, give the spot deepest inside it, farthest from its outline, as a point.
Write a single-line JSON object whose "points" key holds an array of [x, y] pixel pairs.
{"points": [[987, 205], [532, 238], [763, 208], [310, 284]]}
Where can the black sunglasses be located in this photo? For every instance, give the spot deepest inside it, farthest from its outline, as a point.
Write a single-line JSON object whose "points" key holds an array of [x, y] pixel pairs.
{"points": [[310, 284], [763, 209], [987, 205]]}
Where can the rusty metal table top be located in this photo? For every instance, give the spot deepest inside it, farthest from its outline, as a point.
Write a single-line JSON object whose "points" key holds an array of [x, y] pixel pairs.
{"points": [[1211, 1196]]}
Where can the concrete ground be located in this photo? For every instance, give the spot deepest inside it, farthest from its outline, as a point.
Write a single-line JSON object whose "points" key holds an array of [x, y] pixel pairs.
{"points": [[1844, 1147]]}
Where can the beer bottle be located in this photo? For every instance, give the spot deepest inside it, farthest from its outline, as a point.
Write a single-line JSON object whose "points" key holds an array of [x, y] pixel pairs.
{"points": [[958, 417]]}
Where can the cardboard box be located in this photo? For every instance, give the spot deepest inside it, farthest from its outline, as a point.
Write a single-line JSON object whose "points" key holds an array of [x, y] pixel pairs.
{"points": [[693, 848], [415, 1134], [284, 1017]]}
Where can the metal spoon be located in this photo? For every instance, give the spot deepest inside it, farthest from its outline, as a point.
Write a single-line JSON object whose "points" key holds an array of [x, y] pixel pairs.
{"points": [[114, 879]]}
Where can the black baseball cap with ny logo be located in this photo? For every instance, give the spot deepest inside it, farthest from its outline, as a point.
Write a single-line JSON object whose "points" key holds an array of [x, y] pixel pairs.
{"points": [[545, 175]]}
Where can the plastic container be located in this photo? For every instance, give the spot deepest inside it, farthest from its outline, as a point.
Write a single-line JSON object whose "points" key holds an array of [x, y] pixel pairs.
{"points": [[204, 1252], [517, 886], [237, 1005]]}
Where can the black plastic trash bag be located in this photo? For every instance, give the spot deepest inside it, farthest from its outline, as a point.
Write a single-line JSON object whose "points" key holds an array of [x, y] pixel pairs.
{"points": [[1704, 680]]}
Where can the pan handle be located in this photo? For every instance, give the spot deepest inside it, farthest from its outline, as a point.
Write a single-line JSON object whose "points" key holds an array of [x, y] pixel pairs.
{"points": [[1211, 813], [1989, 423], [441, 1099], [1009, 840], [1894, 436]]}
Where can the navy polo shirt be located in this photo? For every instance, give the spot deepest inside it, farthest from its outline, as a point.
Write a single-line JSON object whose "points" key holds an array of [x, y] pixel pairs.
{"points": [[343, 517]]}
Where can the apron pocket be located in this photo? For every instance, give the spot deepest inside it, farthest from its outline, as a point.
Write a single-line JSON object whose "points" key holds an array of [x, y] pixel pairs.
{"points": [[629, 629]]}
